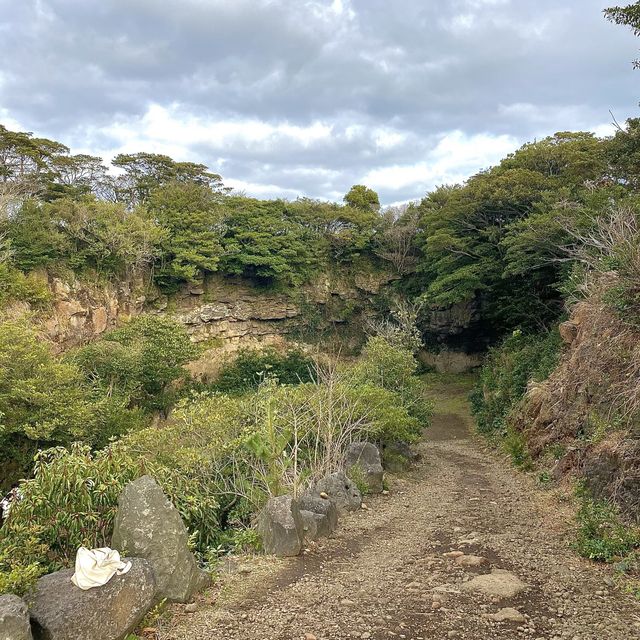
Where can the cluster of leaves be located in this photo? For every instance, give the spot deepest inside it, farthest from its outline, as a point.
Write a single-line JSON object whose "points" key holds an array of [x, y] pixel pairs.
{"points": [[176, 219], [93, 394], [521, 359], [250, 367], [601, 533], [496, 240]]}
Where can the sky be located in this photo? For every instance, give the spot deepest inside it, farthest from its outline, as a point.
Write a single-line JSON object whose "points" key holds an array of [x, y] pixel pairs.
{"points": [[288, 98]]}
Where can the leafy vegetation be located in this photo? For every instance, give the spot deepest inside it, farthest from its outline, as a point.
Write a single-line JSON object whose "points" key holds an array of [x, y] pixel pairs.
{"points": [[504, 378], [251, 367], [218, 457]]}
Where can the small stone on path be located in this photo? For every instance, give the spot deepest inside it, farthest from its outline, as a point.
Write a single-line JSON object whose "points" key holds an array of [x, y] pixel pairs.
{"points": [[470, 561], [499, 584], [508, 614]]}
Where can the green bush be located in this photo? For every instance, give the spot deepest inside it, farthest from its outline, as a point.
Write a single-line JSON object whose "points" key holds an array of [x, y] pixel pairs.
{"points": [[394, 368], [18, 286], [507, 371], [250, 367], [43, 401], [143, 361], [71, 501]]}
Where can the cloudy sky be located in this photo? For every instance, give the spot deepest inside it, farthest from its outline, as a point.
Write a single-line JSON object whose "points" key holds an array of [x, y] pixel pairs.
{"points": [[307, 97]]}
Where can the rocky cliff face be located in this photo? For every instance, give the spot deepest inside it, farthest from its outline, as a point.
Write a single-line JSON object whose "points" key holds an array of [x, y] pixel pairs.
{"points": [[231, 313]]}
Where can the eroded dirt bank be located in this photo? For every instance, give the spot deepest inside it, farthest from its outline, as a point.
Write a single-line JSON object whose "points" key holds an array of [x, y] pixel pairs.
{"points": [[390, 571]]}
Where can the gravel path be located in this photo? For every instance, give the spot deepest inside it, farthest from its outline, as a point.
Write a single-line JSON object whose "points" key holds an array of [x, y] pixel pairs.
{"points": [[394, 571]]}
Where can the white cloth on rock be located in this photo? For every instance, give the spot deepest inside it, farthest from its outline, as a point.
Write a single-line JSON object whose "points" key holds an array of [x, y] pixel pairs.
{"points": [[95, 567]]}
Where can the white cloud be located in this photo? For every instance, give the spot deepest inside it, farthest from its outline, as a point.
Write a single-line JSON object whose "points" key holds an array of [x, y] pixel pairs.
{"points": [[454, 158]]}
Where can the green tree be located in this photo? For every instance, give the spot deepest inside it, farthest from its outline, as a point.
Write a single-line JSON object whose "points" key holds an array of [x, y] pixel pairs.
{"points": [[194, 222], [144, 172], [361, 197], [628, 16], [492, 242], [43, 401], [264, 242], [146, 362]]}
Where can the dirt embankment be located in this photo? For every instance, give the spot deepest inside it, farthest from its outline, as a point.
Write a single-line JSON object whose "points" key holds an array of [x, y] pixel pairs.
{"points": [[583, 420], [463, 547]]}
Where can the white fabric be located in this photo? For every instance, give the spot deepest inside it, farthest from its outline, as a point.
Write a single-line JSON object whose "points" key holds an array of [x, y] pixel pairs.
{"points": [[96, 567]]}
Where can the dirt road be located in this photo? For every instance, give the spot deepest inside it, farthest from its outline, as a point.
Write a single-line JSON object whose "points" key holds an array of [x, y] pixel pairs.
{"points": [[395, 571]]}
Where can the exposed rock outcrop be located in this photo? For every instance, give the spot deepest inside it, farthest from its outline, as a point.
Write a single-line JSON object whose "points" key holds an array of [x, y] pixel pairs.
{"points": [[61, 611], [148, 526]]}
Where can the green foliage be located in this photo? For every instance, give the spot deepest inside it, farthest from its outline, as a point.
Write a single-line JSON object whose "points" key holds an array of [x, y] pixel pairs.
{"points": [[193, 222], [71, 501], [145, 172], [18, 286], [392, 368], [495, 240], [263, 241], [143, 360], [515, 445], [601, 533], [361, 197], [82, 234], [628, 16], [504, 378], [251, 366], [43, 401]]}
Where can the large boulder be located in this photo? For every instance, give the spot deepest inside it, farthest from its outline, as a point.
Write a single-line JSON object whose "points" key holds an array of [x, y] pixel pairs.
{"points": [[363, 458], [281, 527], [325, 510], [148, 526], [398, 456], [14, 619], [341, 490], [61, 611]]}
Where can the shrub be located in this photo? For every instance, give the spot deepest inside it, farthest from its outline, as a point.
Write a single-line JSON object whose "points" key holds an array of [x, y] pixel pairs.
{"points": [[251, 367], [393, 368], [43, 401], [143, 360], [71, 501], [601, 533], [17, 286], [507, 371]]}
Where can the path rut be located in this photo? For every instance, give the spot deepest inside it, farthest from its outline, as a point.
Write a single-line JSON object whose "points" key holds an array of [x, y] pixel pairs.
{"points": [[384, 574]]}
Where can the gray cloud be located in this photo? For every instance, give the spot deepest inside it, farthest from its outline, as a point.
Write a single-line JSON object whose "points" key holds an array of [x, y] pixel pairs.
{"points": [[288, 97]]}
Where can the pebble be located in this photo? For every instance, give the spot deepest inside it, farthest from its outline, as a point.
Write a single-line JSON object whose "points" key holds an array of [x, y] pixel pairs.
{"points": [[191, 607]]}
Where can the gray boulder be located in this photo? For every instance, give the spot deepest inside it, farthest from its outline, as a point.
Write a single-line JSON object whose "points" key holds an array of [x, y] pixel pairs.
{"points": [[325, 510], [341, 490], [148, 526], [364, 458], [310, 524], [281, 527], [398, 456], [14, 619], [61, 611]]}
